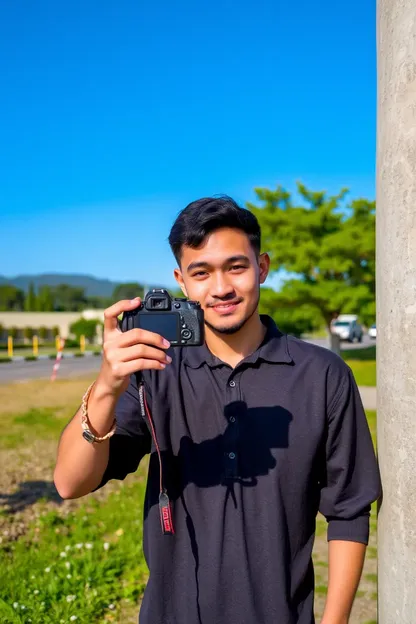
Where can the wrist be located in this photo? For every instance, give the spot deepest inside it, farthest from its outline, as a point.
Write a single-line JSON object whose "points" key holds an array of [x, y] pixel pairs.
{"points": [[107, 391]]}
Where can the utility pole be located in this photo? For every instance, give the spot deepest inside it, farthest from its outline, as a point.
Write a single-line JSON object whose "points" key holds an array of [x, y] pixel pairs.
{"points": [[396, 308]]}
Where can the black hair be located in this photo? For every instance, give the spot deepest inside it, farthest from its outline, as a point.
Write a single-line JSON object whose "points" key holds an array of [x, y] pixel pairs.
{"points": [[203, 216]]}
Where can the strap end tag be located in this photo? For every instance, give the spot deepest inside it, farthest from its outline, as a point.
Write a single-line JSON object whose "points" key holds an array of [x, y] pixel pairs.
{"points": [[165, 514]]}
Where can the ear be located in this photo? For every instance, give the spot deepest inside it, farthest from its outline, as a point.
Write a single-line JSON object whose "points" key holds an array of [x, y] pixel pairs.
{"points": [[264, 266], [178, 277]]}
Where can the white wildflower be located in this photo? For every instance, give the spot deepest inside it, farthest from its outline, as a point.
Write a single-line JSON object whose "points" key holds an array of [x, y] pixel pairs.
{"points": [[67, 565], [36, 591], [68, 547], [22, 607], [47, 569], [89, 546], [111, 606], [70, 598], [73, 618], [79, 545], [68, 576], [106, 545], [15, 605], [62, 554], [33, 576]]}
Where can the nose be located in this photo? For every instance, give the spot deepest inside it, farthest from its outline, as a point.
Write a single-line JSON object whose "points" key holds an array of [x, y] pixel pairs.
{"points": [[221, 287]]}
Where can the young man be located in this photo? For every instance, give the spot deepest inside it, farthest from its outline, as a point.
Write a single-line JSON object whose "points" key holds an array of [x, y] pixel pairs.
{"points": [[256, 430]]}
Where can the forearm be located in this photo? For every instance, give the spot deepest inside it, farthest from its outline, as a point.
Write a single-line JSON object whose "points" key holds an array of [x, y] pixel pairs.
{"points": [[81, 465], [346, 561]]}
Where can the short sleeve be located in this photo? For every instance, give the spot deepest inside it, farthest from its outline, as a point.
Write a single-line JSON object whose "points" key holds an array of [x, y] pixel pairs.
{"points": [[351, 478], [132, 440]]}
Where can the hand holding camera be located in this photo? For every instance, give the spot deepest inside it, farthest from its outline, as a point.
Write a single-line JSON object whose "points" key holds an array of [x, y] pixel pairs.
{"points": [[147, 329], [125, 353]]}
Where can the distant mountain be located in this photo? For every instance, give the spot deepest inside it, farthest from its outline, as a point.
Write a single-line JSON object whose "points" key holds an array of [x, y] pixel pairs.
{"points": [[94, 287]]}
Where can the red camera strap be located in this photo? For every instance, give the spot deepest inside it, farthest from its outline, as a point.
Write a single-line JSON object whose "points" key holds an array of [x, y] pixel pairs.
{"points": [[165, 508]]}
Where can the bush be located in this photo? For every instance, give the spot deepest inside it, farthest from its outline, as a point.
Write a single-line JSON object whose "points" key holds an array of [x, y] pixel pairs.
{"points": [[78, 354], [43, 332], [12, 331], [6, 359], [30, 358], [28, 333], [55, 331], [84, 327]]}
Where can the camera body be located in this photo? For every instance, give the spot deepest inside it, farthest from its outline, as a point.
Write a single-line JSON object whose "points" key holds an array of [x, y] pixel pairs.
{"points": [[178, 320]]}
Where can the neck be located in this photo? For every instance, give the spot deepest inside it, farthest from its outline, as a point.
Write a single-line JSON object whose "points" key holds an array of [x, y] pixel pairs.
{"points": [[232, 348]]}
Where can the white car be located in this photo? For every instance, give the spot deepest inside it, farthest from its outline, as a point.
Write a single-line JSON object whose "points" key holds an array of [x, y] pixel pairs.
{"points": [[372, 332], [347, 327]]}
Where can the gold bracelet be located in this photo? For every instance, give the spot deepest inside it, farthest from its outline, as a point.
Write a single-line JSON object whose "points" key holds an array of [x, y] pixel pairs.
{"points": [[87, 434]]}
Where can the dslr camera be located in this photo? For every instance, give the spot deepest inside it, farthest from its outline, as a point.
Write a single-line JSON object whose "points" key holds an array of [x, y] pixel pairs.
{"points": [[178, 320]]}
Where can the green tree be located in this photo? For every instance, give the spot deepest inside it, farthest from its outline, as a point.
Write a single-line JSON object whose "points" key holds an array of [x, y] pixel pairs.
{"points": [[31, 299], [68, 298], [326, 247], [45, 300], [84, 327], [99, 303], [11, 298], [295, 321], [129, 290]]}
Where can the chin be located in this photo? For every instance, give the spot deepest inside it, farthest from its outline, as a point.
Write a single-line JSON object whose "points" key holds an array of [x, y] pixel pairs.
{"points": [[228, 328]]}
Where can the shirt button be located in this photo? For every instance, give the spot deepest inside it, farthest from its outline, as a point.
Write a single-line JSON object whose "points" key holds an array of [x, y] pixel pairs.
{"points": [[231, 455], [232, 384], [232, 418]]}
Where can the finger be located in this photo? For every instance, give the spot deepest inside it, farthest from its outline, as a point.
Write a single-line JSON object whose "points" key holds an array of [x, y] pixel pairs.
{"points": [[111, 313], [124, 369], [142, 336], [142, 351]]}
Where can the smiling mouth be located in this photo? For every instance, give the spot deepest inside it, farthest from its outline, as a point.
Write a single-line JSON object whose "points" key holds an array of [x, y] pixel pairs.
{"points": [[227, 306]]}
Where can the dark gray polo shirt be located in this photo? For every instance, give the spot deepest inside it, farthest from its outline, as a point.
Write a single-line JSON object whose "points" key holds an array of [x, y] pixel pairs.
{"points": [[249, 457]]}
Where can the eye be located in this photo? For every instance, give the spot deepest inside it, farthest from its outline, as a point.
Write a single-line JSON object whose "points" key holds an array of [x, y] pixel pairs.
{"points": [[238, 267], [200, 274]]}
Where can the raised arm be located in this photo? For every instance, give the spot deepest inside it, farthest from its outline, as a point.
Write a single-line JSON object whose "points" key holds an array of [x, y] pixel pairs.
{"points": [[80, 465]]}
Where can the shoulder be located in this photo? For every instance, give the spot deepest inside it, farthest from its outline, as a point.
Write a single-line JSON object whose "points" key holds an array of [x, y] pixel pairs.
{"points": [[321, 364], [301, 350]]}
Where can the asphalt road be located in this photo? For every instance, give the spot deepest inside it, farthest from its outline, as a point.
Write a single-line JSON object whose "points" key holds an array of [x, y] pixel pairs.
{"points": [[70, 367], [75, 367]]}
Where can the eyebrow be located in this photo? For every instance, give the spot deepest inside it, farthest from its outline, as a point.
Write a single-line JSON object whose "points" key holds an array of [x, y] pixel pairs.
{"points": [[205, 265]]}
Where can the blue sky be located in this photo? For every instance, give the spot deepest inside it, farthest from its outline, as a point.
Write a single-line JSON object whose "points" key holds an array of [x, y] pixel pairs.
{"points": [[115, 115]]}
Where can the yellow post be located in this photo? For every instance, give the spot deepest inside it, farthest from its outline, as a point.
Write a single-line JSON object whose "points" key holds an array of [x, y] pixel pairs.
{"points": [[82, 343], [9, 346], [35, 346], [57, 342]]}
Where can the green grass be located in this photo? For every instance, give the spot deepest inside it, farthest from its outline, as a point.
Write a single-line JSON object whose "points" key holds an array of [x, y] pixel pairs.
{"points": [[363, 365], [83, 566], [44, 423], [364, 355]]}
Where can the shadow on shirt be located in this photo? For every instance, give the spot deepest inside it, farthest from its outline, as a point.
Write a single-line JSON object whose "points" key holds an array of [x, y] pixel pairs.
{"points": [[240, 455]]}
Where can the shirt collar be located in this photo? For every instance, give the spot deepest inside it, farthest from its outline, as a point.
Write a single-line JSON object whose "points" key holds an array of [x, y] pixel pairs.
{"points": [[274, 348]]}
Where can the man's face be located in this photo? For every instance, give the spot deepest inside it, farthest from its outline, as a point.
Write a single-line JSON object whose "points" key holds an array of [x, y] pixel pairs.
{"points": [[224, 275]]}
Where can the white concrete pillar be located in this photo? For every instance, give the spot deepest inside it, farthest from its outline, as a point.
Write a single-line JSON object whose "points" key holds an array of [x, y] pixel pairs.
{"points": [[396, 308]]}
